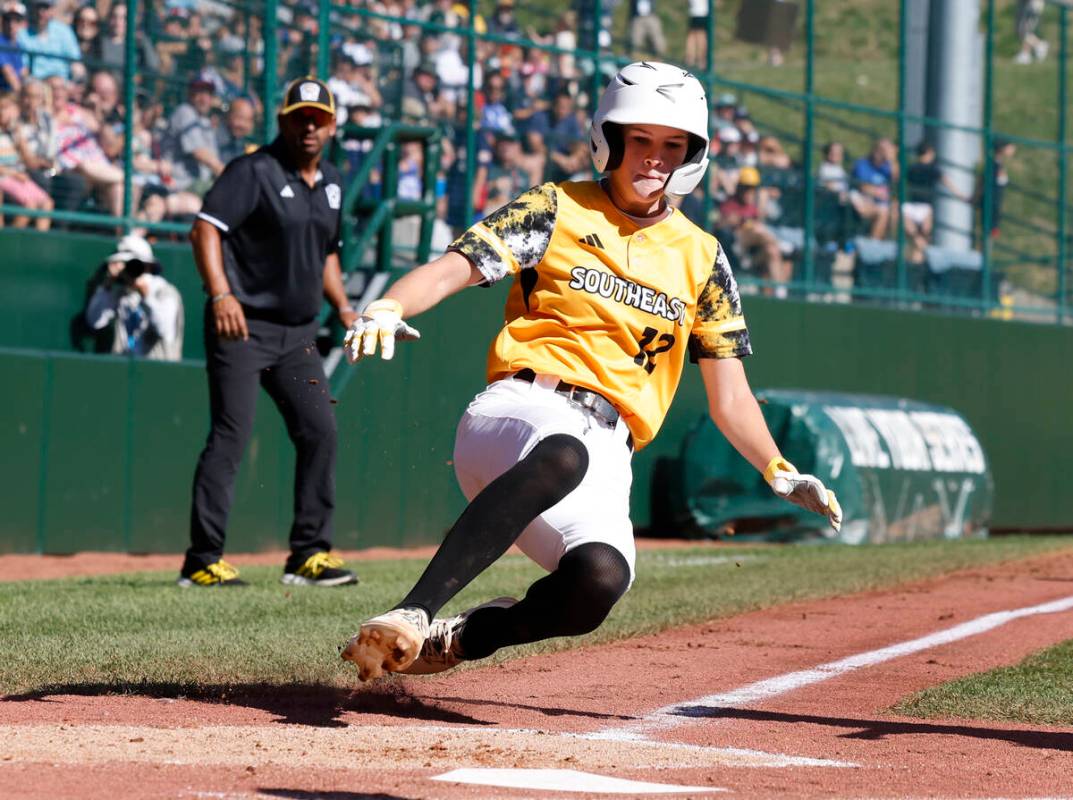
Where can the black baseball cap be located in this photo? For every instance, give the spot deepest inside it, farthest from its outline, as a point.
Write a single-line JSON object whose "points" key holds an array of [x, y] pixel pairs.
{"points": [[308, 93]]}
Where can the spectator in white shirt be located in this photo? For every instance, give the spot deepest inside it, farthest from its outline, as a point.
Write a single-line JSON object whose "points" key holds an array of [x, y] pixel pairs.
{"points": [[144, 310]]}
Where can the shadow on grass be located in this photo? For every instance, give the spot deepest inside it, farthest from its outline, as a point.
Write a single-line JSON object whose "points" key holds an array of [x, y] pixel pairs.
{"points": [[301, 704], [878, 730]]}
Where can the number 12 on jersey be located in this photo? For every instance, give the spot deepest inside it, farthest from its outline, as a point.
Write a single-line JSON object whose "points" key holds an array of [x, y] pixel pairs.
{"points": [[647, 356]]}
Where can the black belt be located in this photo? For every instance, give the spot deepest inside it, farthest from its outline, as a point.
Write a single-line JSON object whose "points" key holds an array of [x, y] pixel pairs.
{"points": [[595, 402]]}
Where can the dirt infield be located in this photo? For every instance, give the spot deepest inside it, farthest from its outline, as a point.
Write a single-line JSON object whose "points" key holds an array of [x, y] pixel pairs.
{"points": [[735, 705]]}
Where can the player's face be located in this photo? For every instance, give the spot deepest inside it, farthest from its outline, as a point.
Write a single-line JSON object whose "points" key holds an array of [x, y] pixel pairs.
{"points": [[307, 130], [651, 153]]}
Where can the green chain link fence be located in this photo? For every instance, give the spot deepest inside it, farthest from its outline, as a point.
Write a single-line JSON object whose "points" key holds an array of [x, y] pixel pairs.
{"points": [[845, 74]]}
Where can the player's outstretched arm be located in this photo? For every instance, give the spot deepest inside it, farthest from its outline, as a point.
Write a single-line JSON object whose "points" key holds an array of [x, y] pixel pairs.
{"points": [[424, 287], [381, 322], [737, 414]]}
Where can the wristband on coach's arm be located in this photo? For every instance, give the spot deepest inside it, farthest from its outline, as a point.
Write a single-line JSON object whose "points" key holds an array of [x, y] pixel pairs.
{"points": [[216, 298]]}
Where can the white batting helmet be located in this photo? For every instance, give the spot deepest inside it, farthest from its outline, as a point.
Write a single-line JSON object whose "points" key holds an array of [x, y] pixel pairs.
{"points": [[651, 93]]}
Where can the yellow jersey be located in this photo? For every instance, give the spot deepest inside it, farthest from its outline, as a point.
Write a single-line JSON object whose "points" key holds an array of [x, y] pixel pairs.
{"points": [[604, 303]]}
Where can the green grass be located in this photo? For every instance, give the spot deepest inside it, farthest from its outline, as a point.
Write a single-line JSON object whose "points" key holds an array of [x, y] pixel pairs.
{"points": [[123, 632], [1038, 691]]}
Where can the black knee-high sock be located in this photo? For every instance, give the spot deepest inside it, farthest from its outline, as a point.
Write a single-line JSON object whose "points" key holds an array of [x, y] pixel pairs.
{"points": [[496, 518], [572, 600]]}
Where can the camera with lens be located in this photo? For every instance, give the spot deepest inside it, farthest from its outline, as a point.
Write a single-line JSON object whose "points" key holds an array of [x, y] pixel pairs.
{"points": [[134, 269]]}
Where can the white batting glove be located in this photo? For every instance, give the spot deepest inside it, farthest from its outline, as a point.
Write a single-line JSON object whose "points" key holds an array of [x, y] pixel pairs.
{"points": [[380, 323], [806, 491]]}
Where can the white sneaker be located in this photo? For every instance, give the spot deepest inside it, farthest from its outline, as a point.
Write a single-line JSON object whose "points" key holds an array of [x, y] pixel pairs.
{"points": [[440, 651], [1023, 57], [387, 643], [1040, 50]]}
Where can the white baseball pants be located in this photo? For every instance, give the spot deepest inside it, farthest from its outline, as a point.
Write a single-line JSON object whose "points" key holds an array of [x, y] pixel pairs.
{"points": [[506, 421]]}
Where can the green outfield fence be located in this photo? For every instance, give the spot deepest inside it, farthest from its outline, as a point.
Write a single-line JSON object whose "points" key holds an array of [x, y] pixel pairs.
{"points": [[100, 450], [848, 74], [136, 427]]}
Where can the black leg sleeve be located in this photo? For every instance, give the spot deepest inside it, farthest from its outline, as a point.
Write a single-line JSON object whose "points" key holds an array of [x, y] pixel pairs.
{"points": [[497, 516], [573, 600]]}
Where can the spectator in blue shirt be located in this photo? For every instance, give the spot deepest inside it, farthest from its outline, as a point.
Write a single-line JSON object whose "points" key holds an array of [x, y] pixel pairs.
{"points": [[12, 68], [496, 116], [872, 178], [55, 39], [560, 137], [503, 22]]}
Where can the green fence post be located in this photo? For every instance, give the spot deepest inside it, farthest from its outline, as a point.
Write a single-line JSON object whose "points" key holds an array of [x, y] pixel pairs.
{"points": [[596, 83], [986, 212], [389, 197], [323, 39], [247, 52], [471, 135], [709, 85], [903, 33], [1063, 156], [431, 147], [709, 54], [129, 57], [270, 31], [807, 253]]}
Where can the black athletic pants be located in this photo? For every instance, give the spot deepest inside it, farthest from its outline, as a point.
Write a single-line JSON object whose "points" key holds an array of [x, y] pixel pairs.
{"points": [[284, 360]]}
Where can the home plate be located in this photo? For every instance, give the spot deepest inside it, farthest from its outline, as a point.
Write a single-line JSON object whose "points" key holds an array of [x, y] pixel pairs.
{"points": [[565, 780]]}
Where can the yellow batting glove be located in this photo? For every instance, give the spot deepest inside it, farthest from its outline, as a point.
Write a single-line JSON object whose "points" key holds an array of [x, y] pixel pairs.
{"points": [[806, 491], [379, 324]]}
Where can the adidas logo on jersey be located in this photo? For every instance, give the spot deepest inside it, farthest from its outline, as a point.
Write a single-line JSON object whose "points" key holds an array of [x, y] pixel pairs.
{"points": [[592, 240], [286, 191]]}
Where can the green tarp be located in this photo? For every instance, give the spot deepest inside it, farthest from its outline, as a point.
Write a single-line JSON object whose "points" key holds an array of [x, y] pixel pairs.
{"points": [[902, 470]]}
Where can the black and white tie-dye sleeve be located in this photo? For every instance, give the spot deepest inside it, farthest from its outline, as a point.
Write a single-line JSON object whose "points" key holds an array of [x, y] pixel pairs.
{"points": [[719, 327], [513, 238]]}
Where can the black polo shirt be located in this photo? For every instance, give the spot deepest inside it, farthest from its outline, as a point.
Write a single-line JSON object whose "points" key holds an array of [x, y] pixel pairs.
{"points": [[277, 232]]}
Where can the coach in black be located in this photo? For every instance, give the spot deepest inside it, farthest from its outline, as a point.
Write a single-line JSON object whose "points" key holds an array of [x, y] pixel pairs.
{"points": [[266, 245]]}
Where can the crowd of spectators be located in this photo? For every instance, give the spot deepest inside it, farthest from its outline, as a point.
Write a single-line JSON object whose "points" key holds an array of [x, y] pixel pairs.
{"points": [[197, 105], [756, 196], [63, 125]]}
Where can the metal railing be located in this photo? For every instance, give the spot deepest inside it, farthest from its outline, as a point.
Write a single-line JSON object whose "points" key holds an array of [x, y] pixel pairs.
{"points": [[1031, 257]]}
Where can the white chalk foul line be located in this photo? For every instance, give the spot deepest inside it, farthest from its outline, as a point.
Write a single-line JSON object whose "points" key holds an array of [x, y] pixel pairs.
{"points": [[671, 716]]}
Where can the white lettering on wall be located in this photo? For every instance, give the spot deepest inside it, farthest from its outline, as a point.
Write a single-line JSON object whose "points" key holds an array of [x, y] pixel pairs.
{"points": [[905, 443], [951, 444], [954, 514], [914, 441], [865, 449]]}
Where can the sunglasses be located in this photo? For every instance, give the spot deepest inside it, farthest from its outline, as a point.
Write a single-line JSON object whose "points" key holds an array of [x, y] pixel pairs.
{"points": [[315, 115]]}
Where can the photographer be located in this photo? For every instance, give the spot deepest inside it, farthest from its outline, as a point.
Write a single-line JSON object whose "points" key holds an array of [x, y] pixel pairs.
{"points": [[146, 311]]}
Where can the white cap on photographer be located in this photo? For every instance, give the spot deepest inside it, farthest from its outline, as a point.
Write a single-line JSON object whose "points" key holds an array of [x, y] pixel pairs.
{"points": [[133, 247]]}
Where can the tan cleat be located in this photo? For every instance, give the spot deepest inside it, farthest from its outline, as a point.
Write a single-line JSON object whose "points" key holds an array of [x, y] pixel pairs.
{"points": [[390, 642], [441, 651]]}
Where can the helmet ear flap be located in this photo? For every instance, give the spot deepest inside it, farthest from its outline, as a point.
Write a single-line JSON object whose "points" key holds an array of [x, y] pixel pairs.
{"points": [[616, 145], [697, 146]]}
